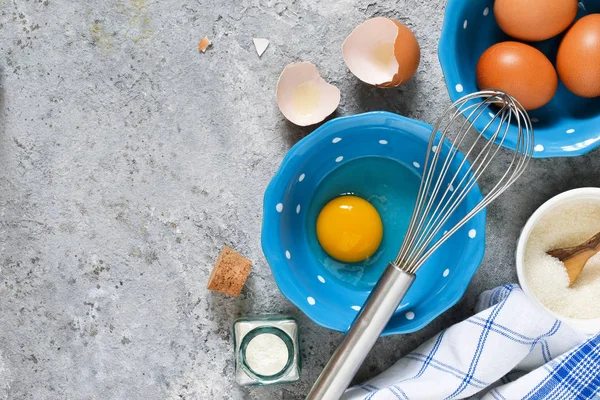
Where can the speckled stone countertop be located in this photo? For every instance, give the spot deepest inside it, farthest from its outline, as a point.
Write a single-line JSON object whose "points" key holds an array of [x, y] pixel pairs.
{"points": [[127, 159]]}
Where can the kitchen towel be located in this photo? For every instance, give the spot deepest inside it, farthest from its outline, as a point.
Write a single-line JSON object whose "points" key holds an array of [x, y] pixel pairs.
{"points": [[511, 349]]}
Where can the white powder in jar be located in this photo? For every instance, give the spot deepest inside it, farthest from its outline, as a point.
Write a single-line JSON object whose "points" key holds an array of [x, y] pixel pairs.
{"points": [[565, 225], [266, 354]]}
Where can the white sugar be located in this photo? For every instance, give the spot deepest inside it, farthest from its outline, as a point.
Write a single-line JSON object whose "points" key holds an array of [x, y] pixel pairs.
{"points": [[565, 225]]}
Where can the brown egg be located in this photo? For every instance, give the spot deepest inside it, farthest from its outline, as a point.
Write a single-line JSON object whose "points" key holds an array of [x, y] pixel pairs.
{"points": [[534, 20], [578, 59], [520, 70]]}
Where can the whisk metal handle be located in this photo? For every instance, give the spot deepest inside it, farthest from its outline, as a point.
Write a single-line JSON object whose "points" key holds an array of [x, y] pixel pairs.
{"points": [[377, 311]]}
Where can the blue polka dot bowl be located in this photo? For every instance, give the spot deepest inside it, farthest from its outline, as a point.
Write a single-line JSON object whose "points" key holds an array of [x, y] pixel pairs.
{"points": [[567, 126], [377, 156]]}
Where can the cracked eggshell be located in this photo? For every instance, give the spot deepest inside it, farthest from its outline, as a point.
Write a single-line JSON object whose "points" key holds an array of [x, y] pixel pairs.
{"points": [[382, 52], [303, 96], [204, 43]]}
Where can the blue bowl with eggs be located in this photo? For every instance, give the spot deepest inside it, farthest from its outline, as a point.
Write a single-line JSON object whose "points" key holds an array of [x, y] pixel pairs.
{"points": [[567, 126], [378, 156]]}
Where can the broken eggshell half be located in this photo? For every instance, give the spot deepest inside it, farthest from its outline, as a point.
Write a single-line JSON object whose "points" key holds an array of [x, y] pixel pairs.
{"points": [[382, 52], [303, 96]]}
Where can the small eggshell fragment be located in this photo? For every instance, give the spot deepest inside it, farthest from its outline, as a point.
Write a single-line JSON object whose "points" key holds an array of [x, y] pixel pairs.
{"points": [[578, 59], [203, 45], [520, 70], [260, 44], [534, 20], [382, 52], [303, 96]]}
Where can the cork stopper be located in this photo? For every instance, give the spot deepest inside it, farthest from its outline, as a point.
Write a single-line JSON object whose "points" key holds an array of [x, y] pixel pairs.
{"points": [[230, 272]]}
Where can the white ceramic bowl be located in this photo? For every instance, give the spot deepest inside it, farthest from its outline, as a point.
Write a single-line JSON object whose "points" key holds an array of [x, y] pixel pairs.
{"points": [[588, 326]]}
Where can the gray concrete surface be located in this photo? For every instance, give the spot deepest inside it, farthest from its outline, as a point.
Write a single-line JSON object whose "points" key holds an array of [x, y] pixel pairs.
{"points": [[127, 159]]}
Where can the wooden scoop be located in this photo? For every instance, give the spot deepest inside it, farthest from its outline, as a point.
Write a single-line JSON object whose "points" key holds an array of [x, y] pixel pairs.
{"points": [[575, 257]]}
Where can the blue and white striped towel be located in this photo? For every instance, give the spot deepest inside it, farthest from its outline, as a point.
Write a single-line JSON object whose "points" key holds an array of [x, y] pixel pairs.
{"points": [[510, 349]]}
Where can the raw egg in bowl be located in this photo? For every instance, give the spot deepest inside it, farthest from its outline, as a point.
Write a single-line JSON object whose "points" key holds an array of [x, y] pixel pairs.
{"points": [[514, 45], [336, 212]]}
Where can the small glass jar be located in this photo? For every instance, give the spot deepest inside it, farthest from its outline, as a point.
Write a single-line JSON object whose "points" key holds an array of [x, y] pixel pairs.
{"points": [[266, 350]]}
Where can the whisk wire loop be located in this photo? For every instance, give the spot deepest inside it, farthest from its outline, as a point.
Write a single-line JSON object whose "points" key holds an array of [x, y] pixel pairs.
{"points": [[420, 214], [442, 192], [445, 207]]}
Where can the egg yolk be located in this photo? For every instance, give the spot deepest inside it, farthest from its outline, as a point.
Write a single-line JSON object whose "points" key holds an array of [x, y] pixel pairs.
{"points": [[349, 229]]}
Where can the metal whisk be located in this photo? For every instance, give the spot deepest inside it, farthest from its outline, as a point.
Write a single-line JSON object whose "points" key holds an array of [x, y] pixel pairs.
{"points": [[447, 179]]}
